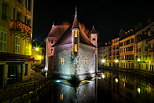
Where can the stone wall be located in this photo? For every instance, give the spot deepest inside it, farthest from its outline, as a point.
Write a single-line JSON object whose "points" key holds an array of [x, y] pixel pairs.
{"points": [[80, 65]]}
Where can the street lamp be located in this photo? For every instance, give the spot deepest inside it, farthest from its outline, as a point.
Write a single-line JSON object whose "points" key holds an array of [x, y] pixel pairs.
{"points": [[103, 60], [37, 48], [116, 61]]}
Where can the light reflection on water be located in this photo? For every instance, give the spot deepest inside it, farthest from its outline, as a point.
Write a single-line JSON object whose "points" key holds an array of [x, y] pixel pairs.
{"points": [[106, 87]]}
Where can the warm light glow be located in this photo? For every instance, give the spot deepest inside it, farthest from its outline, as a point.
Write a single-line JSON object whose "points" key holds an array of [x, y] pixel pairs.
{"points": [[139, 90], [37, 48], [116, 61], [62, 60], [138, 60], [116, 80], [75, 33], [75, 48], [103, 61], [103, 76], [61, 96]]}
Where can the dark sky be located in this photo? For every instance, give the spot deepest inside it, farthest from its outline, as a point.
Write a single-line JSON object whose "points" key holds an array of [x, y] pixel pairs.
{"points": [[107, 16]]}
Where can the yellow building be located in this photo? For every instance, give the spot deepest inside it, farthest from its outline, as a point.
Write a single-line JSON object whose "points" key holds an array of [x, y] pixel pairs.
{"points": [[115, 52], [38, 55], [16, 18], [151, 53], [144, 45], [127, 50]]}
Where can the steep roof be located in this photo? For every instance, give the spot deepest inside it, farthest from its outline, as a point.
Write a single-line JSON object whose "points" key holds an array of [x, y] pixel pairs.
{"points": [[75, 23], [93, 31], [57, 31], [66, 37], [84, 38]]}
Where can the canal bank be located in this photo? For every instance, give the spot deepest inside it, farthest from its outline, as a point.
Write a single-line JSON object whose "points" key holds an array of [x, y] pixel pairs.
{"points": [[23, 92], [147, 75]]}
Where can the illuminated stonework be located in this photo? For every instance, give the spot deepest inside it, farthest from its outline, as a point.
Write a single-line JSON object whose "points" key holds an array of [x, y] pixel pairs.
{"points": [[74, 53]]}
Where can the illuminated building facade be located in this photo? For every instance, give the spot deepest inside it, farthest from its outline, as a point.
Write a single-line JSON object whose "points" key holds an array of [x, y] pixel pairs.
{"points": [[115, 52], [37, 54], [71, 53], [127, 52], [15, 40], [135, 49], [144, 52], [104, 54]]}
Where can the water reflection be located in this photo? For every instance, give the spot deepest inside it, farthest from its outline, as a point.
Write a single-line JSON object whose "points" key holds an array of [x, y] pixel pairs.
{"points": [[63, 92], [127, 89], [106, 87]]}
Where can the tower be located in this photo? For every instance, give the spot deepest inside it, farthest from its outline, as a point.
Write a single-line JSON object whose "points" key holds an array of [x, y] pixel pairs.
{"points": [[75, 33], [93, 36]]}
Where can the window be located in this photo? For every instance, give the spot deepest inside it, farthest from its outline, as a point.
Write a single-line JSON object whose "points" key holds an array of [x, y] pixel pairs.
{"points": [[75, 33], [29, 5], [26, 70], [20, 1], [3, 41], [4, 11], [17, 44], [51, 50], [18, 16], [62, 60], [93, 39], [85, 60], [28, 22], [27, 47], [75, 48]]}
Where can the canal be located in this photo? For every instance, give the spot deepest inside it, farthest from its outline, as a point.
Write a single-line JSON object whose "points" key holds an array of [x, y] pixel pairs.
{"points": [[107, 87]]}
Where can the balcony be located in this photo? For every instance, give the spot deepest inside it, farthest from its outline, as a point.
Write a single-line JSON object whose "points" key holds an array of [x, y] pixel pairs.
{"points": [[150, 49], [18, 27]]}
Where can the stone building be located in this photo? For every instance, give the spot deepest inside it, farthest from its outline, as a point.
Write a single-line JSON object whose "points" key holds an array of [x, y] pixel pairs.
{"points": [[70, 52], [16, 18]]}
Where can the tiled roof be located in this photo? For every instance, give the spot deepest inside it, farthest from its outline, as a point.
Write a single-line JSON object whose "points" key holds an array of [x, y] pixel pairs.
{"points": [[57, 31], [93, 31], [75, 23]]}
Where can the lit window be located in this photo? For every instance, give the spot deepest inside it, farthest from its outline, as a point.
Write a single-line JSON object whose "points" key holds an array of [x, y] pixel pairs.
{"points": [[3, 41], [62, 60], [17, 44], [76, 33], [85, 60], [75, 48], [27, 47]]}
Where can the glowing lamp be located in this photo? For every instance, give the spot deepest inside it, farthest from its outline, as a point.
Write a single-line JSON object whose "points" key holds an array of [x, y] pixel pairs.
{"points": [[116, 80], [103, 76], [37, 49], [116, 61], [103, 61], [138, 60], [139, 90]]}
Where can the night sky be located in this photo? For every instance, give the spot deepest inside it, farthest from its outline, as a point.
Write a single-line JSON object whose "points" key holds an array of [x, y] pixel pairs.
{"points": [[107, 16]]}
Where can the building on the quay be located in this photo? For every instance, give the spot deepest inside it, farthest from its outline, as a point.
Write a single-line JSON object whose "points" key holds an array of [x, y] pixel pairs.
{"points": [[16, 18], [115, 52], [150, 44], [71, 53], [126, 49], [38, 55], [135, 48], [144, 48], [104, 54]]}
